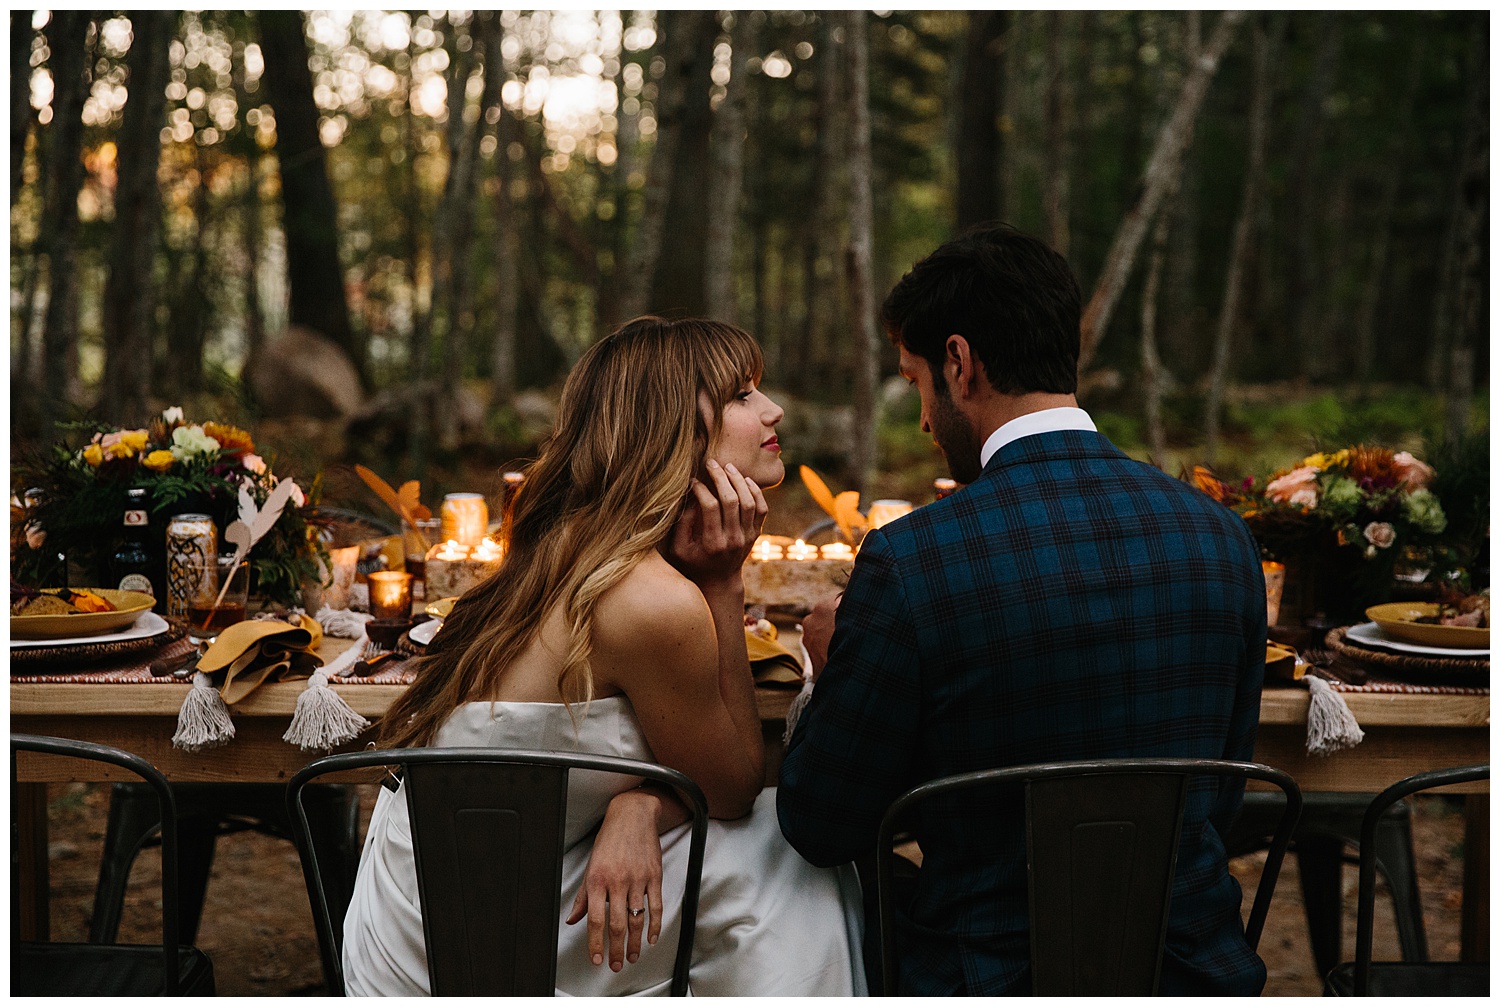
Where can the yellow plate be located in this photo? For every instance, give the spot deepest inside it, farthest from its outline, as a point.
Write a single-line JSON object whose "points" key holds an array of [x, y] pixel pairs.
{"points": [[440, 608], [1396, 620], [128, 605]]}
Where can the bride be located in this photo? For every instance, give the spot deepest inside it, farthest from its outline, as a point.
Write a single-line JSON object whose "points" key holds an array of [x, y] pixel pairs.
{"points": [[615, 627]]}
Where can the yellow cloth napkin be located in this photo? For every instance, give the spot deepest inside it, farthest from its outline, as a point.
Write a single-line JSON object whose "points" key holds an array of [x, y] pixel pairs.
{"points": [[1281, 662], [261, 650], [771, 663]]}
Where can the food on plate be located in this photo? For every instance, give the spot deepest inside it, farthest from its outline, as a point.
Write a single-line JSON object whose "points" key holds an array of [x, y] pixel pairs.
{"points": [[63, 601], [1472, 611]]}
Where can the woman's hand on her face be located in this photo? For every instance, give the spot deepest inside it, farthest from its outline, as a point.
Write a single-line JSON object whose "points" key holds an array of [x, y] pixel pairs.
{"points": [[718, 526], [623, 875]]}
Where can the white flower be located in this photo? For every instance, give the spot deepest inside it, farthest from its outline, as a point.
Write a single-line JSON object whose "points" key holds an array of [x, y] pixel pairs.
{"points": [[190, 441], [297, 498], [255, 463], [173, 415], [1380, 535]]}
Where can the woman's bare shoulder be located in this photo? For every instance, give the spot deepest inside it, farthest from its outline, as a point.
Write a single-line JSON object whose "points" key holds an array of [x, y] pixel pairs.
{"points": [[652, 606]]}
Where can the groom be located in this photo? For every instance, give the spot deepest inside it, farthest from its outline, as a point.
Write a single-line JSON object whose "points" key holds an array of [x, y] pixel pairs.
{"points": [[1068, 603]]}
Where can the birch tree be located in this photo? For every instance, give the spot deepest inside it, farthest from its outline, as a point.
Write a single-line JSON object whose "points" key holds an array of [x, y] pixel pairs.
{"points": [[1161, 171]]}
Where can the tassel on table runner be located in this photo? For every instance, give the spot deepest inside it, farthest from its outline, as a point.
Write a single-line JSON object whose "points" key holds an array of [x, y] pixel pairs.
{"points": [[322, 718], [800, 701], [203, 722], [1331, 726]]}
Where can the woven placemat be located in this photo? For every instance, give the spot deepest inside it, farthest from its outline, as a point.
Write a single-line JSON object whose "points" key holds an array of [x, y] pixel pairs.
{"points": [[77, 655], [1415, 669], [130, 670]]}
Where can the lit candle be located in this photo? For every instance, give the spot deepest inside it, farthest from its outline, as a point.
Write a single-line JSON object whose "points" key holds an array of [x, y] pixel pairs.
{"points": [[801, 550], [837, 551], [883, 512], [449, 551], [766, 550], [465, 516], [489, 551], [390, 595]]}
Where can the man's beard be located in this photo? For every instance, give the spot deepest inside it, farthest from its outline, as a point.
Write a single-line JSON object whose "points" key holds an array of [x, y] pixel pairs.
{"points": [[957, 437]]}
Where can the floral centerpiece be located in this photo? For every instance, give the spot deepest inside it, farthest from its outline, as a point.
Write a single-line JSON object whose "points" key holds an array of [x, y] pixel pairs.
{"points": [[75, 497], [1343, 520]]}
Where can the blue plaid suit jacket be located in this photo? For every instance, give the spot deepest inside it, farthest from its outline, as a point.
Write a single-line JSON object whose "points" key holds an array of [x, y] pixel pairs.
{"points": [[1071, 603]]}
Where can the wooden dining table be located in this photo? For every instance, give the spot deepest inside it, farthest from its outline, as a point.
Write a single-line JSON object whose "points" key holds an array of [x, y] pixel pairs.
{"points": [[1405, 733]]}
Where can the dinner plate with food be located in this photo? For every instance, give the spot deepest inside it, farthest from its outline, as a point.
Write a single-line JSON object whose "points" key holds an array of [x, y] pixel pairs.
{"points": [[51, 613], [1462, 626]]}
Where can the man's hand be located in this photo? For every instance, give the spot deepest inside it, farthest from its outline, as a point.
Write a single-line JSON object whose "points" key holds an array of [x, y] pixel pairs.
{"points": [[817, 630]]}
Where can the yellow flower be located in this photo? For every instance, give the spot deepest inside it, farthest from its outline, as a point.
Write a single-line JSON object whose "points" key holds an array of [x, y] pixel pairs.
{"points": [[229, 438], [158, 461], [93, 454]]}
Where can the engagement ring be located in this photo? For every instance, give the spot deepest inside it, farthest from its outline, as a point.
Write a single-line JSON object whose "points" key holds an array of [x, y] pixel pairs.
{"points": [[636, 912]]}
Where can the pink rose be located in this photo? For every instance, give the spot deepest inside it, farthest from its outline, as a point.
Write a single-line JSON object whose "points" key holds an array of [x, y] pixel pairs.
{"points": [[255, 463], [1380, 534], [1413, 473], [1299, 486]]}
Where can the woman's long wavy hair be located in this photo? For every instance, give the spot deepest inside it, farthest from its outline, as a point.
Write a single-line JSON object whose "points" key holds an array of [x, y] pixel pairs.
{"points": [[604, 492]]}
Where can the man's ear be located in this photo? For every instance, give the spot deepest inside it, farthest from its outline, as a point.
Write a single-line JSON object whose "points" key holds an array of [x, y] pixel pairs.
{"points": [[962, 370]]}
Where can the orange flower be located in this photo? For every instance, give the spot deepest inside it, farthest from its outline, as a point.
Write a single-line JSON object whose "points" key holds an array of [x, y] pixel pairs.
{"points": [[1209, 483], [1376, 464], [229, 438]]}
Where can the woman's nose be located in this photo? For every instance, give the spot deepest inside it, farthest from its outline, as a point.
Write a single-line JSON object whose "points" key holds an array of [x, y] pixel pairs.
{"points": [[772, 414]]}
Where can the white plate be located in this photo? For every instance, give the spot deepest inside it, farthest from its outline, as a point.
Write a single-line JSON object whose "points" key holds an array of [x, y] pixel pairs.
{"points": [[1368, 634], [423, 634], [146, 624]]}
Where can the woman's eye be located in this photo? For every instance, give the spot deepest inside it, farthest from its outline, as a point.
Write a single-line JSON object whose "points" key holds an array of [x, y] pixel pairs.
{"points": [[744, 396]]}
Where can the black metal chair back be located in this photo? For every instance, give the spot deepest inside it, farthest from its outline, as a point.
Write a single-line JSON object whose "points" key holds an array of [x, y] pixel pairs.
{"points": [[487, 835], [1102, 839], [1404, 978], [66, 969]]}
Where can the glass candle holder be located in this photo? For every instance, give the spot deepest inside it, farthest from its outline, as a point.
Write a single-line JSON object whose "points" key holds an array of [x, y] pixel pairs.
{"points": [[205, 619], [390, 595], [883, 512], [465, 517]]}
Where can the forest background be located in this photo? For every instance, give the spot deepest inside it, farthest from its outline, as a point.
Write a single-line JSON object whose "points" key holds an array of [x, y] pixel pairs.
{"points": [[383, 237]]}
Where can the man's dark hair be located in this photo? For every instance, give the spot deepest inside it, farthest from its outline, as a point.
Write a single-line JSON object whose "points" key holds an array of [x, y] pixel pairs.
{"points": [[1011, 296]]}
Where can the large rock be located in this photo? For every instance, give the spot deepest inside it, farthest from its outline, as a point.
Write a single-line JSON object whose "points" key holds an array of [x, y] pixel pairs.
{"points": [[304, 374]]}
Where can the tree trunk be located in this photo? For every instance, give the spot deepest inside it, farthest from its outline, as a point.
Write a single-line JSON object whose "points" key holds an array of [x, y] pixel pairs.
{"points": [[1473, 272], [315, 277], [129, 292], [1184, 323], [250, 211], [1307, 345], [68, 38], [189, 318], [821, 243], [979, 151], [21, 114], [503, 353], [1265, 45], [1059, 115], [1161, 172], [1154, 377], [726, 177], [678, 283], [678, 29], [451, 230], [1369, 300], [860, 255]]}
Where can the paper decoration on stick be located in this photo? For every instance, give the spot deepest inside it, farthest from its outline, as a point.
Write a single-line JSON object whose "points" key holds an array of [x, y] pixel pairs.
{"points": [[250, 528], [406, 502], [844, 508]]}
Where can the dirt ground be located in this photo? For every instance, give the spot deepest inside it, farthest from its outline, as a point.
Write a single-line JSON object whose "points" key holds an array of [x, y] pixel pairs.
{"points": [[258, 928]]}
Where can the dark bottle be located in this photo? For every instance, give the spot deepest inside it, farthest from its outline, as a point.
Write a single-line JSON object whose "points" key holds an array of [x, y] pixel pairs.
{"points": [[131, 566]]}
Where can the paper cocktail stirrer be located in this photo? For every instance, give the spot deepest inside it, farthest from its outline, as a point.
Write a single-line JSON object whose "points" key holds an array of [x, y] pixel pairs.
{"points": [[250, 528]]}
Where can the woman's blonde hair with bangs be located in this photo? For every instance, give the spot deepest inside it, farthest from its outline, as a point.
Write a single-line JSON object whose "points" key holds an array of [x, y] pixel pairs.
{"points": [[603, 493]]}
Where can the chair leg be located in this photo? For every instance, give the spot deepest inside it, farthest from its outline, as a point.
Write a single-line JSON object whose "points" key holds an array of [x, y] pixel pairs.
{"points": [[133, 819], [196, 838], [1397, 861], [1320, 868]]}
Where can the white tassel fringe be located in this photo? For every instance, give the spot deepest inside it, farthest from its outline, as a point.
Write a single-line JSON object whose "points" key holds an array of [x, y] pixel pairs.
{"points": [[1331, 727], [322, 718], [203, 722]]}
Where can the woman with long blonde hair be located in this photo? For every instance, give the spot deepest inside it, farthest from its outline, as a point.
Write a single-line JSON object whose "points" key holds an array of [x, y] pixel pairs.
{"points": [[615, 626]]}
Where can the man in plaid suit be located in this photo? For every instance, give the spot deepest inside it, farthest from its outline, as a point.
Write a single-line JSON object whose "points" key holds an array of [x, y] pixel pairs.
{"points": [[1068, 603]]}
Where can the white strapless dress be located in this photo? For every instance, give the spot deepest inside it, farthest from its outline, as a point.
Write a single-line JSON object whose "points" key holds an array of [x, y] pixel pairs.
{"points": [[769, 923]]}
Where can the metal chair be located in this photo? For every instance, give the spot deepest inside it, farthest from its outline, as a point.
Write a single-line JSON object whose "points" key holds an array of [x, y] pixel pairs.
{"points": [[487, 831], [1328, 828], [64, 969], [1096, 930], [1364, 977]]}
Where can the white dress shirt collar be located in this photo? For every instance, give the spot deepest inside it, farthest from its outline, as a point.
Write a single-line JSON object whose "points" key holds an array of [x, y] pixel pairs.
{"points": [[1044, 421]]}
